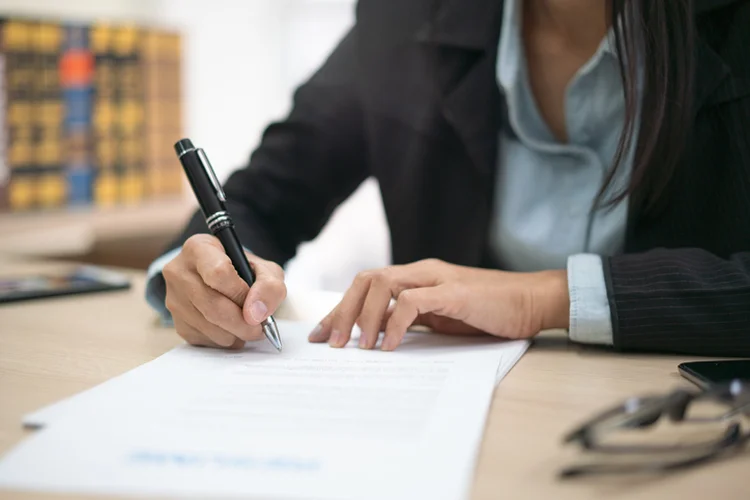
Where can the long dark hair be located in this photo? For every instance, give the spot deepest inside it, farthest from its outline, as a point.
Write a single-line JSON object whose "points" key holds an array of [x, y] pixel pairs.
{"points": [[658, 36]]}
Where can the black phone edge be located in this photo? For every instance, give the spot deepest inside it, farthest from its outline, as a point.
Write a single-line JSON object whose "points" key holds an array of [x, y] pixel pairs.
{"points": [[692, 376], [48, 294]]}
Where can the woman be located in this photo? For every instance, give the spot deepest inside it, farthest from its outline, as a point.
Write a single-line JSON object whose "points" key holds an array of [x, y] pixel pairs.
{"points": [[573, 164]]}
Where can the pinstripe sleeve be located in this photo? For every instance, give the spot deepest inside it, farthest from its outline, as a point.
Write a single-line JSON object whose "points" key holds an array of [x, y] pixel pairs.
{"points": [[682, 301]]}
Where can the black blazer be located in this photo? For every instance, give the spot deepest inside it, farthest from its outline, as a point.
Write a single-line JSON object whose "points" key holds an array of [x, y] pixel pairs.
{"points": [[410, 97]]}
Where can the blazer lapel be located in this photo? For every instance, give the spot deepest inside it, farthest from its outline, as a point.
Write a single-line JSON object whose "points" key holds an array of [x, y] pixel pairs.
{"points": [[463, 39]]}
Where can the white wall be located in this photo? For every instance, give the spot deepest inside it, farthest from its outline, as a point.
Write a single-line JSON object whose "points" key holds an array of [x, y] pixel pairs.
{"points": [[242, 60], [232, 74]]}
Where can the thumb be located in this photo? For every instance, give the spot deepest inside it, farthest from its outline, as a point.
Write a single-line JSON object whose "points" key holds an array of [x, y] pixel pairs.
{"points": [[266, 294]]}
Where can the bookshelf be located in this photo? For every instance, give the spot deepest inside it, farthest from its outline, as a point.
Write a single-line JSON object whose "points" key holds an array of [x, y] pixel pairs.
{"points": [[89, 112]]}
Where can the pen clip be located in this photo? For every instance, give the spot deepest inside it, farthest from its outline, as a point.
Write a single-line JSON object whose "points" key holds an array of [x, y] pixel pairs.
{"points": [[211, 174]]}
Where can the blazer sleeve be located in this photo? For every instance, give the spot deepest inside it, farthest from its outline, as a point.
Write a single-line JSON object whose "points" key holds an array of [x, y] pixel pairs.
{"points": [[685, 301], [305, 165]]}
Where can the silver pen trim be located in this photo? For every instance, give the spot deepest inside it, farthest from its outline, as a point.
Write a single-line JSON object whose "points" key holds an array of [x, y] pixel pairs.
{"points": [[221, 213], [217, 218], [211, 174], [217, 222]]}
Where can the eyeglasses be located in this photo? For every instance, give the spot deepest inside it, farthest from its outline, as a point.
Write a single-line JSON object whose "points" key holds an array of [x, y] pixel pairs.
{"points": [[665, 433]]}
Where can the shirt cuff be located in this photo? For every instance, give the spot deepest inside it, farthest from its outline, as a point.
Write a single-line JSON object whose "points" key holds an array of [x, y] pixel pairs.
{"points": [[590, 320], [156, 288]]}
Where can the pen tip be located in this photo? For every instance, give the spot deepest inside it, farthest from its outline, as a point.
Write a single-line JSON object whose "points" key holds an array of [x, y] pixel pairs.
{"points": [[276, 341], [272, 333]]}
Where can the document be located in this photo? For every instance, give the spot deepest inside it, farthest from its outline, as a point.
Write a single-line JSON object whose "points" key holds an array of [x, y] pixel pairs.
{"points": [[311, 422]]}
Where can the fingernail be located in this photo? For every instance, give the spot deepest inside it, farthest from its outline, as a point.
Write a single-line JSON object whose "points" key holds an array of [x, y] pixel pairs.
{"points": [[386, 345], [258, 311], [362, 341], [335, 338], [315, 334]]}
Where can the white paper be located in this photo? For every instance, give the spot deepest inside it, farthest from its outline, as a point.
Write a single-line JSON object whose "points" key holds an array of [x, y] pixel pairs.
{"points": [[312, 422], [142, 375], [301, 305]]}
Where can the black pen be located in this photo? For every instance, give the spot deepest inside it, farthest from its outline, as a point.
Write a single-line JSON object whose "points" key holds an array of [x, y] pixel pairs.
{"points": [[211, 199]]}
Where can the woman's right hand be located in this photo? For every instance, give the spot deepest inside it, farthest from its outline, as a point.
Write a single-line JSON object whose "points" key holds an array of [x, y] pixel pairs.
{"points": [[210, 304]]}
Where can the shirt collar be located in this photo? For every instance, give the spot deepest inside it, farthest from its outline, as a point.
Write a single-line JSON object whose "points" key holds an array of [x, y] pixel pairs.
{"points": [[510, 50], [511, 55]]}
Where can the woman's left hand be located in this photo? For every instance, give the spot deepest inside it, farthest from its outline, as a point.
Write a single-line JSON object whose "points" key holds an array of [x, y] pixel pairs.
{"points": [[449, 299]]}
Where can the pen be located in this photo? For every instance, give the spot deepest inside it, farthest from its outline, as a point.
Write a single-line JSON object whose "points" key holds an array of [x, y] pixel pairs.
{"points": [[211, 199]]}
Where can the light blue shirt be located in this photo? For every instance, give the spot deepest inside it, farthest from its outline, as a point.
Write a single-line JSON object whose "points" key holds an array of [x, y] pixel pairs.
{"points": [[545, 190]]}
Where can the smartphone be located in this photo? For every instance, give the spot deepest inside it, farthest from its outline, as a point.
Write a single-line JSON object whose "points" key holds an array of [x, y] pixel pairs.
{"points": [[83, 279], [706, 373]]}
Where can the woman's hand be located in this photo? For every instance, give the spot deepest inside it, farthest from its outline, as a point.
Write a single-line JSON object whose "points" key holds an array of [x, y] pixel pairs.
{"points": [[448, 299], [210, 304]]}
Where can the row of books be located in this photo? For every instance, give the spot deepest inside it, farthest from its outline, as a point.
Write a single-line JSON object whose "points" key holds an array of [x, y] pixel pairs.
{"points": [[89, 114]]}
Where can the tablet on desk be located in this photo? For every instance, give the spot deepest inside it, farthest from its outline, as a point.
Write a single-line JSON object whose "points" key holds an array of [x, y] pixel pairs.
{"points": [[84, 279]]}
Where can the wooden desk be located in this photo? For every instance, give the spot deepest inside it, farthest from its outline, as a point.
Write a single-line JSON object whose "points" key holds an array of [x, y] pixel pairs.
{"points": [[55, 348]]}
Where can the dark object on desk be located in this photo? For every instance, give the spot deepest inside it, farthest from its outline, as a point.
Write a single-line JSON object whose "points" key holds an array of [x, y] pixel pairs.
{"points": [[211, 199], [708, 373], [661, 433], [84, 279]]}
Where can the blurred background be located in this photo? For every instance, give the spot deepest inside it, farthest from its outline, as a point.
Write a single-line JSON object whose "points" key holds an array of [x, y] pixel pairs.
{"points": [[94, 93]]}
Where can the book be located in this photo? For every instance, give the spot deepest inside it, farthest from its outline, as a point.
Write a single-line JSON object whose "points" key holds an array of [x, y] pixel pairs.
{"points": [[105, 183], [76, 80], [19, 76], [129, 114], [33, 114], [48, 116], [162, 55], [4, 167]]}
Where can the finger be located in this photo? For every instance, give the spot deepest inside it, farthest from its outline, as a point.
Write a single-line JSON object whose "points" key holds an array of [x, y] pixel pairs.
{"points": [[409, 305], [374, 308], [336, 327], [194, 337], [216, 270], [421, 320], [267, 293], [420, 274], [215, 333], [261, 265], [222, 312], [321, 332], [346, 312], [387, 316]]}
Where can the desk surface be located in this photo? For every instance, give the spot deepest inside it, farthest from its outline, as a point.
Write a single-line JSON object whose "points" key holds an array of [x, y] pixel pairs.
{"points": [[55, 348]]}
